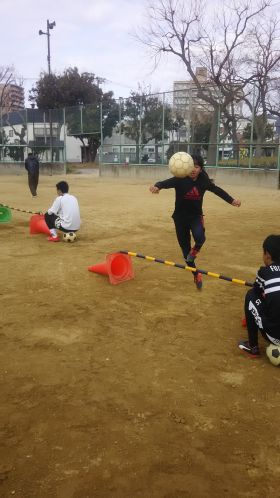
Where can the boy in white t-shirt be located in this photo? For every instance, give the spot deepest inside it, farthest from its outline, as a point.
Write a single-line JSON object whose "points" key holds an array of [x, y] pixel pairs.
{"points": [[64, 214]]}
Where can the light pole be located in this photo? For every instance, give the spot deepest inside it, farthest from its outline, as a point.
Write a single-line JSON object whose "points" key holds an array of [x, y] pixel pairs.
{"points": [[33, 149], [50, 25]]}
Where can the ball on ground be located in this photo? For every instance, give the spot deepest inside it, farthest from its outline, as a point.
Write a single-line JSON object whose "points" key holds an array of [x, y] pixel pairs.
{"points": [[273, 354], [69, 237], [181, 164]]}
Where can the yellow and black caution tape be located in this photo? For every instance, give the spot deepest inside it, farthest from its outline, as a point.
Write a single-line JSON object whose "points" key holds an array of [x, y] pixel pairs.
{"points": [[21, 210], [189, 268]]}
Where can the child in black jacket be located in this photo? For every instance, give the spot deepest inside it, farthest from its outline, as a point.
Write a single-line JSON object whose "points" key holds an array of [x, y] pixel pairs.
{"points": [[188, 214], [262, 302]]}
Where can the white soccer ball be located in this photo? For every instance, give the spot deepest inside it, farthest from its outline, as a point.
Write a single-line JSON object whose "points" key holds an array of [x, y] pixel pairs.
{"points": [[69, 237], [273, 354], [181, 164]]}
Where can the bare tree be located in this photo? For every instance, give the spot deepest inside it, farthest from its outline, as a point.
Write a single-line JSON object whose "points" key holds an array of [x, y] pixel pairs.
{"points": [[218, 43], [264, 65]]}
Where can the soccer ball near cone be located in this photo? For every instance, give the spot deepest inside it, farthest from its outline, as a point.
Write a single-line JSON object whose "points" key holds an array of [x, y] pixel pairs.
{"points": [[69, 237]]}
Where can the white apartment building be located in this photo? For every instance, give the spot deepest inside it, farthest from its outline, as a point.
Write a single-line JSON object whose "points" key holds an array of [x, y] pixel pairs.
{"points": [[186, 100]]}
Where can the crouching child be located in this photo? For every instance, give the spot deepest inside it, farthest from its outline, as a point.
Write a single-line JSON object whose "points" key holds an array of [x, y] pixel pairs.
{"points": [[262, 302], [64, 214]]}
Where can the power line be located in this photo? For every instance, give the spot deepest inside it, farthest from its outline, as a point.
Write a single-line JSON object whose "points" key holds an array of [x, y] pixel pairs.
{"points": [[104, 80]]}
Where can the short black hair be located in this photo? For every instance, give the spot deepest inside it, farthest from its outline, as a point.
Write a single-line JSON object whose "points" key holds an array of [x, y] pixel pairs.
{"points": [[198, 159], [63, 187], [272, 245]]}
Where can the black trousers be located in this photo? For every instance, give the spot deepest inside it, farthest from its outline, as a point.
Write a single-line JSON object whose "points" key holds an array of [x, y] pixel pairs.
{"points": [[184, 229], [53, 221], [33, 180], [255, 319]]}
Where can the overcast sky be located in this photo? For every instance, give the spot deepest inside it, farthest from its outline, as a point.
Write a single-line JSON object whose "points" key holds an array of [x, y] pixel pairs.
{"points": [[94, 35]]}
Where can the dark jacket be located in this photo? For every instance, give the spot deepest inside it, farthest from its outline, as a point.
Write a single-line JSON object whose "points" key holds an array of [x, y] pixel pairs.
{"points": [[189, 194], [267, 287], [32, 165]]}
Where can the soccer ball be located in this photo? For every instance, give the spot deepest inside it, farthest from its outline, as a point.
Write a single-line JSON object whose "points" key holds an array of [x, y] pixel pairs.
{"points": [[273, 354], [69, 237], [181, 164]]}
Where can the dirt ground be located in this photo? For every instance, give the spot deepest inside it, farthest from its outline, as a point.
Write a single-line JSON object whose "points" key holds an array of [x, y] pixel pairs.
{"points": [[137, 389]]}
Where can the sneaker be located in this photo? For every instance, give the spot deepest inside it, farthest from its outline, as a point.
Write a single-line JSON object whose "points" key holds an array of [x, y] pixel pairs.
{"points": [[254, 351], [53, 239], [197, 278]]}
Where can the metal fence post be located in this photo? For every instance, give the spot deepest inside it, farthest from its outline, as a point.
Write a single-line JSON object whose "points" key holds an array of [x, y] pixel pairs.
{"points": [[1, 134], [64, 130], [101, 133], [51, 138], [252, 129], [81, 113], [140, 131], [189, 137], [163, 130], [218, 133], [120, 125], [278, 155], [27, 140]]}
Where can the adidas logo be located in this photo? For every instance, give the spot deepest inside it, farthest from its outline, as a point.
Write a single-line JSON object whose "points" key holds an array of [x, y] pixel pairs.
{"points": [[193, 194]]}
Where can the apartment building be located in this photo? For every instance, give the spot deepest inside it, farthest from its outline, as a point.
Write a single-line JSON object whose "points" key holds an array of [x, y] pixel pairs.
{"points": [[186, 100], [185, 96], [11, 98], [189, 106]]}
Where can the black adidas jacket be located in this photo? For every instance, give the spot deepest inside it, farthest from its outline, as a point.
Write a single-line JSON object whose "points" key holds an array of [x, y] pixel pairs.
{"points": [[189, 193], [267, 285]]}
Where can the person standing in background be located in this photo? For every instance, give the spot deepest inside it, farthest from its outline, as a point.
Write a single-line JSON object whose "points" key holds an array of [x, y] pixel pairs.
{"points": [[32, 167]]}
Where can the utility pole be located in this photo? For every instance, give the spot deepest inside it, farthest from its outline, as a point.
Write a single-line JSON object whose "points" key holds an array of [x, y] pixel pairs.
{"points": [[50, 25]]}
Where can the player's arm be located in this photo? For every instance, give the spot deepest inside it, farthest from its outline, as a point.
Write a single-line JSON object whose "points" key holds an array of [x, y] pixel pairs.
{"points": [[222, 194], [169, 183], [260, 282], [55, 207]]}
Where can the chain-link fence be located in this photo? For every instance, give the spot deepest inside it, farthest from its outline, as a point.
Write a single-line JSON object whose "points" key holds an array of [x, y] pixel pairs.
{"points": [[142, 129]]}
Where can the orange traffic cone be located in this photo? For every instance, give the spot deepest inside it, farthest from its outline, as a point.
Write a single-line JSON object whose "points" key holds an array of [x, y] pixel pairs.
{"points": [[38, 225], [117, 266], [244, 323]]}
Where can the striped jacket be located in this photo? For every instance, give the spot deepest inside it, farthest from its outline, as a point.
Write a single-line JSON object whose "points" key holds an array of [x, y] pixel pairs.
{"points": [[267, 284]]}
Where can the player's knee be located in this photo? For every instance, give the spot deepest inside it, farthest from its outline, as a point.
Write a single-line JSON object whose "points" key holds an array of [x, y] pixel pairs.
{"points": [[201, 241], [250, 296]]}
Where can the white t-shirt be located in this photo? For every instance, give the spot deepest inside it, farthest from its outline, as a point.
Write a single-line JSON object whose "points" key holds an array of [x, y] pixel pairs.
{"points": [[67, 208]]}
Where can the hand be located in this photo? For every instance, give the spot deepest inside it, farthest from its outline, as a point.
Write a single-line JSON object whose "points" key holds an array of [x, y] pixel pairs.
{"points": [[236, 203], [154, 190]]}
